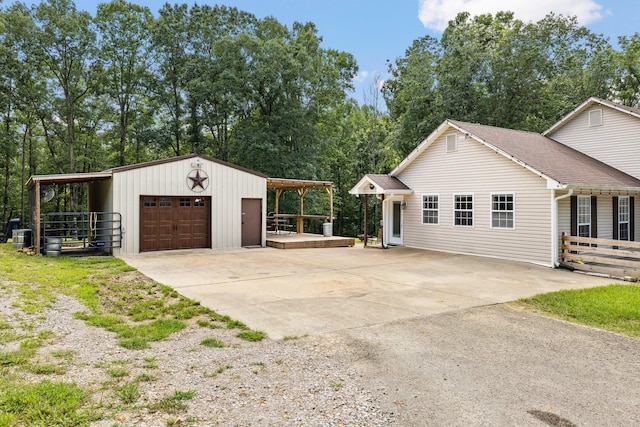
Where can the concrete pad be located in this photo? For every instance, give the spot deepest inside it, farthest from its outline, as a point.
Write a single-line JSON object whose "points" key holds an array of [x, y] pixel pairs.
{"points": [[315, 291]]}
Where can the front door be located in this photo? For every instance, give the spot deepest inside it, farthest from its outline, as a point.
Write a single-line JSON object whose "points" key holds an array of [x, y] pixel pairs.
{"points": [[395, 223], [251, 222]]}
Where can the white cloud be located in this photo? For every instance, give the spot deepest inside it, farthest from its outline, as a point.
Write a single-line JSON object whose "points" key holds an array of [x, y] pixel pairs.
{"points": [[436, 14], [361, 76]]}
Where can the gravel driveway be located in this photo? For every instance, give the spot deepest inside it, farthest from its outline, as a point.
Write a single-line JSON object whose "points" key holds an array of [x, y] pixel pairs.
{"points": [[496, 366], [425, 331]]}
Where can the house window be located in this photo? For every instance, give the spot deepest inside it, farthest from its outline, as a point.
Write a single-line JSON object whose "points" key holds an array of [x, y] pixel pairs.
{"points": [[463, 210], [623, 217], [185, 201], [430, 209], [452, 142], [165, 202], [584, 216], [595, 118], [502, 210]]}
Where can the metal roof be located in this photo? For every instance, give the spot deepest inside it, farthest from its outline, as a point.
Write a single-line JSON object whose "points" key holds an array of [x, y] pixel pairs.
{"points": [[66, 178]]}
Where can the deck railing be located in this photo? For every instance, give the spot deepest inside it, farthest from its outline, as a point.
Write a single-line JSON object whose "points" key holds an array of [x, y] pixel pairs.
{"points": [[616, 258]]}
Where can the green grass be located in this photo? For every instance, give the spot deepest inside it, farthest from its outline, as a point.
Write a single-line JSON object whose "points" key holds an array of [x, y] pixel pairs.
{"points": [[115, 298], [173, 403], [45, 403], [212, 342], [615, 307], [251, 335]]}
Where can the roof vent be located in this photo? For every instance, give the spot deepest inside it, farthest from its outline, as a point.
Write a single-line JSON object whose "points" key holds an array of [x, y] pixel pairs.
{"points": [[595, 118]]}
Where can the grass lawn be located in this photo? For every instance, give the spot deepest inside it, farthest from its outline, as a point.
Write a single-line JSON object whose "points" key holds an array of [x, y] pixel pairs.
{"points": [[614, 307], [115, 297]]}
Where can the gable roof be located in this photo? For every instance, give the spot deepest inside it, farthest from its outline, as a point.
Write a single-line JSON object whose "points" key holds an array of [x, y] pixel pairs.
{"points": [[380, 184], [187, 156], [560, 165], [588, 104]]}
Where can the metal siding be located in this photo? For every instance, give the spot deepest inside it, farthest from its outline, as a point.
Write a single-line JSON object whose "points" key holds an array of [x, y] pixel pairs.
{"points": [[616, 142], [473, 168], [227, 187]]}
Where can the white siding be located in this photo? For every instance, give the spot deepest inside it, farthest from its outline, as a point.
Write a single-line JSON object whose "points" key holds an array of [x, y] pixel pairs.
{"points": [[475, 169], [227, 187], [616, 142]]}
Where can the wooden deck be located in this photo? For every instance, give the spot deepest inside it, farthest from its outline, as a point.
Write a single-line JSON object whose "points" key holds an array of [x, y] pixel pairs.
{"points": [[306, 240]]}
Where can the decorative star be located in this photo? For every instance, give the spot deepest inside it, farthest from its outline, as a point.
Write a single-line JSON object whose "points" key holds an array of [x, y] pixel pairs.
{"points": [[198, 180]]}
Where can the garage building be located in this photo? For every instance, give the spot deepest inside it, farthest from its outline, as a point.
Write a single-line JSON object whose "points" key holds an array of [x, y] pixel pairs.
{"points": [[185, 202]]}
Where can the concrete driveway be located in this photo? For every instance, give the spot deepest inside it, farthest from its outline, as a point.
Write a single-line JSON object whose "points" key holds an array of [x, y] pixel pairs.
{"points": [[295, 292], [424, 332]]}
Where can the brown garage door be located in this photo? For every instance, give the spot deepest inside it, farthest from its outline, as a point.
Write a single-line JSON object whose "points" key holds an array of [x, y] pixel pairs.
{"points": [[174, 223]]}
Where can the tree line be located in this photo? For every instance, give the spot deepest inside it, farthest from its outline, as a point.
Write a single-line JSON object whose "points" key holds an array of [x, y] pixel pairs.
{"points": [[83, 93]]}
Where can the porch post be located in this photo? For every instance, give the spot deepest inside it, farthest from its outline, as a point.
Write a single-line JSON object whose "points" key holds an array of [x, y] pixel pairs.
{"points": [[36, 198], [382, 223], [366, 205]]}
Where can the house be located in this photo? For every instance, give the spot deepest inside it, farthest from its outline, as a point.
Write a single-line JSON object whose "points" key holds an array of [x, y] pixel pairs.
{"points": [[488, 191], [184, 202]]}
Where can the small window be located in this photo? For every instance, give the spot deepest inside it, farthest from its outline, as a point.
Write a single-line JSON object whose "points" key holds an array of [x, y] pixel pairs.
{"points": [[165, 202], [623, 217], [452, 143], [185, 201], [463, 210], [502, 210], [584, 216], [150, 201], [595, 118], [199, 202], [430, 209]]}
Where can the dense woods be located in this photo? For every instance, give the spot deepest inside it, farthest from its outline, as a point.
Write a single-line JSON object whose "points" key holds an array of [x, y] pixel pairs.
{"points": [[82, 93]]}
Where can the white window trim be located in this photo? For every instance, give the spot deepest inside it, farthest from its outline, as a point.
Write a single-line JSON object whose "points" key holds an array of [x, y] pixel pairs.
{"points": [[437, 210], [591, 123], [590, 215], [628, 221], [491, 211], [473, 210], [455, 142]]}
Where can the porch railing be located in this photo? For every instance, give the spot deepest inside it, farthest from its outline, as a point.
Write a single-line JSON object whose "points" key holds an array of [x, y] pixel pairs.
{"points": [[83, 230], [616, 258]]}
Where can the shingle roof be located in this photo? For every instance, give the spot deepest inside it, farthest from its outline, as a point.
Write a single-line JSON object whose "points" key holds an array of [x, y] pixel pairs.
{"points": [[551, 158], [387, 182]]}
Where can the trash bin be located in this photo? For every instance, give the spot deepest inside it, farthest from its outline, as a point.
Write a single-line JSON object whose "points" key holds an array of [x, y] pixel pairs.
{"points": [[327, 229], [52, 246], [21, 238]]}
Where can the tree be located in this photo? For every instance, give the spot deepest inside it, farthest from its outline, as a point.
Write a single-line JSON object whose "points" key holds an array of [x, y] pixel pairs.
{"points": [[217, 74], [124, 47], [171, 50], [64, 48], [498, 71], [627, 74]]}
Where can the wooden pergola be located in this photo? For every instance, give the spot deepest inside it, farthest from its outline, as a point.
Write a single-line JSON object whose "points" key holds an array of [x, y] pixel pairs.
{"points": [[302, 187]]}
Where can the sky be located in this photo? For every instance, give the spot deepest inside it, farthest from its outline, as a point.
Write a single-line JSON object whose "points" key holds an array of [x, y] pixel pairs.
{"points": [[377, 31]]}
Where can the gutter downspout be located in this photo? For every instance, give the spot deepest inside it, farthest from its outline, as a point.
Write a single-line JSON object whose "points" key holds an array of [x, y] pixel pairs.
{"points": [[554, 226]]}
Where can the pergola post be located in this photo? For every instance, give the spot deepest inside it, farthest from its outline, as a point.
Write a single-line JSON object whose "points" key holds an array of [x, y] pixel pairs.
{"points": [[329, 191], [278, 194], [300, 220]]}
